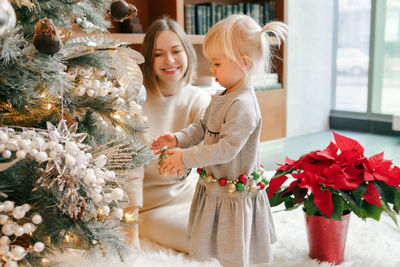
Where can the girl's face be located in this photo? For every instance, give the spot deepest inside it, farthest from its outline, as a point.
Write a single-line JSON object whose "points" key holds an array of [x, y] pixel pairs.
{"points": [[170, 58], [227, 73]]}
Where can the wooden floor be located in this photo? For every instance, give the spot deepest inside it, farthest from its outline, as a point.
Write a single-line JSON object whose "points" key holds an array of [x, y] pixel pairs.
{"points": [[275, 151]]}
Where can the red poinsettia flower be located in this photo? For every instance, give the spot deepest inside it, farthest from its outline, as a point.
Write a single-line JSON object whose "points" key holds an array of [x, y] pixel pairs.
{"points": [[346, 179]]}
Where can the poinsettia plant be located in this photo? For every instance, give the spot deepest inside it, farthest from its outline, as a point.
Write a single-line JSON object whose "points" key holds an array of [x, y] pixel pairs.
{"points": [[329, 182]]}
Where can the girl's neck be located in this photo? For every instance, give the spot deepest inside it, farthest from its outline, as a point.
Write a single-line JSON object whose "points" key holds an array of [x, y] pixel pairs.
{"points": [[170, 89], [235, 87]]}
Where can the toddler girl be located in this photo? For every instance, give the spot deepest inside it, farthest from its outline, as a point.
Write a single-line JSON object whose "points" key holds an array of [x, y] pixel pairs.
{"points": [[230, 217]]}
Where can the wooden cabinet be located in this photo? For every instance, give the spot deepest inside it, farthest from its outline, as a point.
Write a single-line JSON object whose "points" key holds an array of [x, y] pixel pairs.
{"points": [[272, 102]]}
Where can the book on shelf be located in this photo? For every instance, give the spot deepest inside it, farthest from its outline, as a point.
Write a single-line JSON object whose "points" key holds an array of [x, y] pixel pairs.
{"points": [[201, 17]]}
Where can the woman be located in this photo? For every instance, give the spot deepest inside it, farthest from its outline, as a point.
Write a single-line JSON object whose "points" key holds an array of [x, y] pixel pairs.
{"points": [[172, 103]]}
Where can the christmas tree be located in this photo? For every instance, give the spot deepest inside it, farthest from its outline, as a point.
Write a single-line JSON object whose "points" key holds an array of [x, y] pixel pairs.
{"points": [[70, 125]]}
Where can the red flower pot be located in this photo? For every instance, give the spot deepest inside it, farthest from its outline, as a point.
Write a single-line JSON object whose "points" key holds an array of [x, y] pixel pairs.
{"points": [[327, 238]]}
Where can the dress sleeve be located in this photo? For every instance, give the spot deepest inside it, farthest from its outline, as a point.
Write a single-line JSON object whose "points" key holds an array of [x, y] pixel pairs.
{"points": [[240, 121], [194, 133]]}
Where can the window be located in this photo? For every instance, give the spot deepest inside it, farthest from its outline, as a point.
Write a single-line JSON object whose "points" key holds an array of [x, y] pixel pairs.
{"points": [[368, 57]]}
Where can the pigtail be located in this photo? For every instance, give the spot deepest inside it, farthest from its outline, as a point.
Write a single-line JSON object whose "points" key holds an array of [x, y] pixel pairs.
{"points": [[276, 32]]}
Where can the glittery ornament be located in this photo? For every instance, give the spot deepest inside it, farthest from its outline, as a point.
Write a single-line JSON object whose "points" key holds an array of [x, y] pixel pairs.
{"points": [[46, 38], [261, 185], [121, 10]]}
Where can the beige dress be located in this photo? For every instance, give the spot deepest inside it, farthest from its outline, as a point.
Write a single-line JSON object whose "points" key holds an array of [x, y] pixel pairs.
{"points": [[166, 203]]}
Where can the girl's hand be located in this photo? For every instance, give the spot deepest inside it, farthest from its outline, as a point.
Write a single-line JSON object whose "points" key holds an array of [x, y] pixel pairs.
{"points": [[167, 139], [174, 163]]}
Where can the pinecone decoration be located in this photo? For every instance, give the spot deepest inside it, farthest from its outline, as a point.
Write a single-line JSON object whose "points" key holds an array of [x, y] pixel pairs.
{"points": [[46, 38], [121, 10]]}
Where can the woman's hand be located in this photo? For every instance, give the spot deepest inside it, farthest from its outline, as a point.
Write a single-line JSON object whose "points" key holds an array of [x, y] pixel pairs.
{"points": [[164, 140], [174, 163]]}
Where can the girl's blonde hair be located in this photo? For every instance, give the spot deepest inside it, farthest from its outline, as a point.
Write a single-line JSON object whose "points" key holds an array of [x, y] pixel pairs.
{"points": [[240, 36], [150, 80]]}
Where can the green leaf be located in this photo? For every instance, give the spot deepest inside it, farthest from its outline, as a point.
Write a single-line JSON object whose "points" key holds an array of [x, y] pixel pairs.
{"points": [[388, 193], [358, 211], [276, 199], [338, 205], [310, 206], [392, 214], [372, 211], [359, 192], [289, 203], [349, 198]]}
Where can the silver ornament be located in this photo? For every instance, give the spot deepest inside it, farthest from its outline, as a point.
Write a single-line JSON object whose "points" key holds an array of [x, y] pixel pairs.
{"points": [[7, 17]]}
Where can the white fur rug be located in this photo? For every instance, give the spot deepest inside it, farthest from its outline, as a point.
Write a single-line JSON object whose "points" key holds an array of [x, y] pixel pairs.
{"points": [[369, 244]]}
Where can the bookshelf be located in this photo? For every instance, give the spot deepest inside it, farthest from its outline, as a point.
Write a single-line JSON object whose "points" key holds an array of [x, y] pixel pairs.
{"points": [[272, 102]]}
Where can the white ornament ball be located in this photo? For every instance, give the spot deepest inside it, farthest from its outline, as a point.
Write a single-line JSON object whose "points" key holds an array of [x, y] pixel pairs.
{"points": [[90, 92], [97, 189], [96, 84], [8, 229], [4, 249], [114, 91], [105, 210], [120, 101], [4, 240], [59, 148], [19, 230], [121, 90], [6, 154], [26, 207], [38, 142], [38, 247], [100, 181], [21, 154], [25, 144], [1, 207], [71, 148], [11, 263], [69, 160], [107, 198], [117, 193], [8, 205], [97, 197], [3, 219], [102, 91], [118, 213], [36, 219], [101, 161], [33, 152], [80, 91], [28, 228], [18, 212], [90, 177], [3, 137], [41, 156], [18, 253], [53, 155]]}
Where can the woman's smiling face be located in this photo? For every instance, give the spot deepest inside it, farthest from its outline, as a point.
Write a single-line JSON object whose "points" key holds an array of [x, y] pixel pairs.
{"points": [[170, 58]]}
